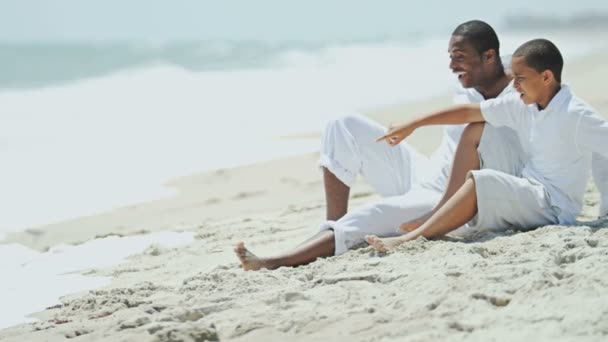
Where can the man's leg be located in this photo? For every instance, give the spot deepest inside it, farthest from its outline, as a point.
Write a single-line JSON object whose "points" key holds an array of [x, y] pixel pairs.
{"points": [[349, 149], [336, 196], [381, 218], [321, 245], [466, 158]]}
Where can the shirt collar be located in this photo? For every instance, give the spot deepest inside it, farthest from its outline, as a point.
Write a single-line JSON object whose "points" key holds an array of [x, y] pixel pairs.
{"points": [[507, 90], [557, 101]]}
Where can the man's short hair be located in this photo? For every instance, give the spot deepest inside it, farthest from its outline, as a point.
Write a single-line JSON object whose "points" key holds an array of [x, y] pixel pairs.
{"points": [[541, 55], [480, 35]]}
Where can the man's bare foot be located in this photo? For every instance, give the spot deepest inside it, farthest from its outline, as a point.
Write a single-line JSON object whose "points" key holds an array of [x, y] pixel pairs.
{"points": [[383, 244], [249, 261]]}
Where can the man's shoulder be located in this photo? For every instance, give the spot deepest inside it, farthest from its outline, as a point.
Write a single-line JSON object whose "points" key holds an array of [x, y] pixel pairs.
{"points": [[509, 99], [464, 95]]}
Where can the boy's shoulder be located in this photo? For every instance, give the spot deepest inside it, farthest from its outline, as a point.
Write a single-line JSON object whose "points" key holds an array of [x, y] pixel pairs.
{"points": [[576, 105]]}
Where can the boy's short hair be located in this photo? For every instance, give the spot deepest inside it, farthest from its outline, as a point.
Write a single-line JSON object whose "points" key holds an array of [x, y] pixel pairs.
{"points": [[479, 34], [541, 55]]}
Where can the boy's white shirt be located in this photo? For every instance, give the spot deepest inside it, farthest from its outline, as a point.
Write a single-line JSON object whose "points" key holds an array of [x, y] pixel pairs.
{"points": [[559, 141], [599, 167]]}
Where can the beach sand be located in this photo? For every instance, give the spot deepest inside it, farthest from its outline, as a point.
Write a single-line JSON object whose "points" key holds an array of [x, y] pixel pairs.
{"points": [[546, 284]]}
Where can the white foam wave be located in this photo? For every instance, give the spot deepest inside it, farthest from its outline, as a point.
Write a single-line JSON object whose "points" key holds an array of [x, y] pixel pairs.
{"points": [[32, 281]]}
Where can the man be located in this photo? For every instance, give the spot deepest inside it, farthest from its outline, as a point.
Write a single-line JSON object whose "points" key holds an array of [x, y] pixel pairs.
{"points": [[559, 131]]}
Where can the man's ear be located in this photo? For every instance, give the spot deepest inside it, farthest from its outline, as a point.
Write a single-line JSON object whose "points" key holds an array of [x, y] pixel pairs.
{"points": [[489, 55]]}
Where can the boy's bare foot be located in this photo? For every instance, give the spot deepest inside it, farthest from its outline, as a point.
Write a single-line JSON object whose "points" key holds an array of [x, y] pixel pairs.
{"points": [[383, 244], [249, 261], [414, 224]]}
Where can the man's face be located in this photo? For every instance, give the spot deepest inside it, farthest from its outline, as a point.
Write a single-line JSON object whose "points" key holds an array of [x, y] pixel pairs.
{"points": [[527, 81], [466, 62]]}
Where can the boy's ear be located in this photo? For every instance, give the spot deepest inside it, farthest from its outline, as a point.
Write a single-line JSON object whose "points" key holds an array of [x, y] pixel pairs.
{"points": [[547, 76]]}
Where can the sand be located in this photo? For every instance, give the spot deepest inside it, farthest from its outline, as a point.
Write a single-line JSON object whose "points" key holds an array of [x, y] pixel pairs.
{"points": [[546, 284]]}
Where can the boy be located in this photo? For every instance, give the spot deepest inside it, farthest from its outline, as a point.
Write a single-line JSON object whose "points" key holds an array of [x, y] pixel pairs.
{"points": [[558, 132]]}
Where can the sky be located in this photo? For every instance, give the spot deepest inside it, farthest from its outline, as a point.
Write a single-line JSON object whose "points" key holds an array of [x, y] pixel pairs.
{"points": [[271, 20]]}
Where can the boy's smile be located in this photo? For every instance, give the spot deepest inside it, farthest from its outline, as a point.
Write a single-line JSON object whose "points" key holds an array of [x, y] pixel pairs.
{"points": [[527, 81]]}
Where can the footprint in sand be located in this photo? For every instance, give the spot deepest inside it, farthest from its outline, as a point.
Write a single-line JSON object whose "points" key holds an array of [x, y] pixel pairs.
{"points": [[245, 194], [213, 200]]}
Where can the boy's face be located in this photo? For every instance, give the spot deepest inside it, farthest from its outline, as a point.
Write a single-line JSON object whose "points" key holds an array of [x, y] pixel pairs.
{"points": [[466, 62], [527, 81]]}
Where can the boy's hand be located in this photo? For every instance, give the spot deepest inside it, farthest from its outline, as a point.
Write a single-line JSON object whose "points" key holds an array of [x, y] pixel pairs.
{"points": [[396, 134]]}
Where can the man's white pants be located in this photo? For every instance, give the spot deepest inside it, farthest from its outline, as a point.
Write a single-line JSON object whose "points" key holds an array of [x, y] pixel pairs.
{"points": [[349, 149]]}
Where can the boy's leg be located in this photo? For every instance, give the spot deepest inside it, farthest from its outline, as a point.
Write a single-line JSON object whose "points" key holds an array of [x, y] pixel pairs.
{"points": [[456, 212], [489, 200], [466, 158]]}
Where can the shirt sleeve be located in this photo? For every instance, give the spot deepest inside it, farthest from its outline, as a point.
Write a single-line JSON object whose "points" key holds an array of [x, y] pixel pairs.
{"points": [[592, 134], [599, 167], [506, 110]]}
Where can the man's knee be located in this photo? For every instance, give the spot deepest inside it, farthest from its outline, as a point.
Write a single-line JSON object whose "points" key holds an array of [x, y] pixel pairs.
{"points": [[357, 126]]}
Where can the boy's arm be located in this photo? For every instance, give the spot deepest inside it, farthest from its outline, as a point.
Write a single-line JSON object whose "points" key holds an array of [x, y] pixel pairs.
{"points": [[452, 116], [592, 134], [600, 177]]}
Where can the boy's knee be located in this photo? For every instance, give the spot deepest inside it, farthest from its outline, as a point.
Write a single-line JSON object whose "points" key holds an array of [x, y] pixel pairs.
{"points": [[473, 132]]}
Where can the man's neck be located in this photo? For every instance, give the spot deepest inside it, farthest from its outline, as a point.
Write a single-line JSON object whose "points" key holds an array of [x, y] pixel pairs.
{"points": [[493, 87]]}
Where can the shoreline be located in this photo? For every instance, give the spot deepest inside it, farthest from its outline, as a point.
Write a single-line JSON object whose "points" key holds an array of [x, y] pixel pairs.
{"points": [[201, 189]]}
